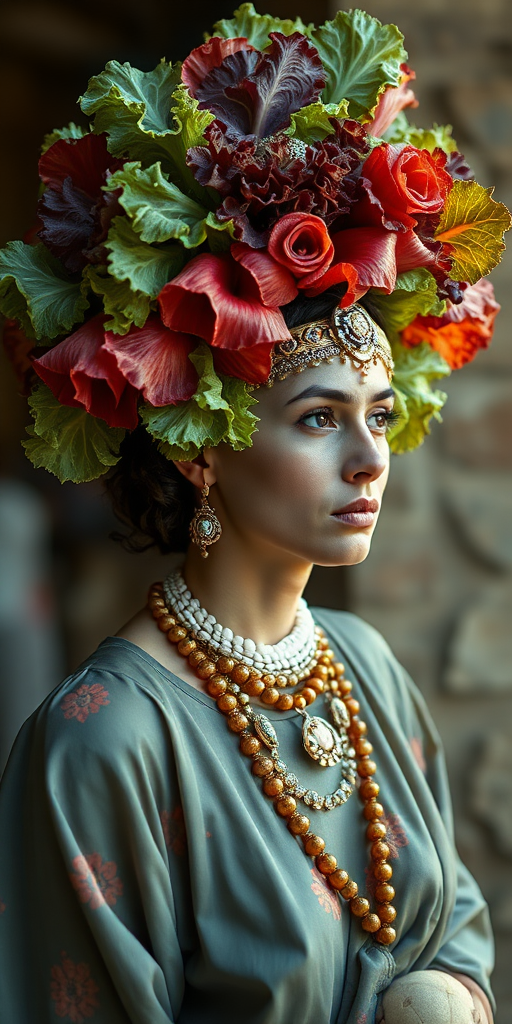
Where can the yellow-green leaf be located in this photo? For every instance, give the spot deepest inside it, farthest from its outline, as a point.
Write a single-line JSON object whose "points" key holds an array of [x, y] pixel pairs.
{"points": [[473, 224]]}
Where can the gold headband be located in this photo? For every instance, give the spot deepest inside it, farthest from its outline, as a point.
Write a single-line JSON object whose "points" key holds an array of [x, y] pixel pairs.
{"points": [[349, 334]]}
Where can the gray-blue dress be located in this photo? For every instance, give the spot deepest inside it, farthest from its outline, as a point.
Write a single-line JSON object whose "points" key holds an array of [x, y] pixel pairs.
{"points": [[145, 879]]}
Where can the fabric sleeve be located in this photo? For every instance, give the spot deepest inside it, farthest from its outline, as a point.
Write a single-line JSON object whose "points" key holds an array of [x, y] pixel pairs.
{"points": [[95, 856], [468, 946]]}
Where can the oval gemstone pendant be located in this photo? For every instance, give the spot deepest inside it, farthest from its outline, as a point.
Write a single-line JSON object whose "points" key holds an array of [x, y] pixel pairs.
{"points": [[265, 731], [321, 741]]}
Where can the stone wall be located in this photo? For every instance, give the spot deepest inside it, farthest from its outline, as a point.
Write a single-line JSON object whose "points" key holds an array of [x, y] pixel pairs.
{"points": [[438, 582]]}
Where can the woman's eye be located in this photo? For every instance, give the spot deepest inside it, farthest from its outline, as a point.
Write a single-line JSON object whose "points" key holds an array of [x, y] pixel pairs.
{"points": [[383, 420], [321, 418]]}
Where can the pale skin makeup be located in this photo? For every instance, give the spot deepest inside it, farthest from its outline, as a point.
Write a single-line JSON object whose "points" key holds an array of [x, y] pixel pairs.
{"points": [[284, 505]]}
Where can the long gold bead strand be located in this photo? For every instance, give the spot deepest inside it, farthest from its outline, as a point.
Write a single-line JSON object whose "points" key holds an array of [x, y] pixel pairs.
{"points": [[231, 684]]}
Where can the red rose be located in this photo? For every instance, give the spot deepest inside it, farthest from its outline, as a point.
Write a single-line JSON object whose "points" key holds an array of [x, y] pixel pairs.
{"points": [[402, 181], [301, 242], [230, 300], [462, 330]]}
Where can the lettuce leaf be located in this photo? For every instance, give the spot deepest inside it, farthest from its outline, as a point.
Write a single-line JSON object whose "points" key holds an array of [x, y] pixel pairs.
{"points": [[147, 118], [473, 224], [68, 442], [415, 402], [439, 136], [123, 305], [415, 293], [145, 267], [361, 57], [247, 24], [311, 124], [35, 291], [158, 209], [219, 411], [72, 131]]}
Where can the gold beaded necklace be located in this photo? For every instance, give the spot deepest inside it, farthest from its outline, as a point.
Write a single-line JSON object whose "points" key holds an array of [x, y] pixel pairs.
{"points": [[231, 684]]}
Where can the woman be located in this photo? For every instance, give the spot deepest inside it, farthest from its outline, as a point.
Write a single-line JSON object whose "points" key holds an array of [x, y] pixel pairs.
{"points": [[160, 884]]}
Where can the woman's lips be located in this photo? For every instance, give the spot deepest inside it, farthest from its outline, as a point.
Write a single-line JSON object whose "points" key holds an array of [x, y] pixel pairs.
{"points": [[359, 513]]}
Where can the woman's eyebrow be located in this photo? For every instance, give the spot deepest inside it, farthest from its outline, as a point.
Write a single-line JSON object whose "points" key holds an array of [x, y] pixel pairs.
{"points": [[333, 395]]}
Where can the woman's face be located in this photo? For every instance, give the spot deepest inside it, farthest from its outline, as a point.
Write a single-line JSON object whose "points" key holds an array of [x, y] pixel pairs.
{"points": [[311, 485]]}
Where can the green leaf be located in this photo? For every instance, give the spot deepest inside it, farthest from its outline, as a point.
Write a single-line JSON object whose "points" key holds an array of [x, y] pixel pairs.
{"points": [[35, 291], [473, 224], [416, 403], [147, 118], [157, 208], [437, 137], [68, 442], [361, 57], [72, 131], [219, 411], [246, 23], [124, 306], [145, 267], [415, 294], [311, 124]]}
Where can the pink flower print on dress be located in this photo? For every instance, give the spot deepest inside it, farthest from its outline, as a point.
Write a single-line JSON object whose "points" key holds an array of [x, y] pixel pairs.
{"points": [[96, 881], [396, 836], [73, 990], [327, 899], [84, 701], [173, 827], [416, 745]]}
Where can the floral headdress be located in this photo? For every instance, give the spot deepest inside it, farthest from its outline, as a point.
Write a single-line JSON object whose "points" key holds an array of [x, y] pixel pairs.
{"points": [[275, 160]]}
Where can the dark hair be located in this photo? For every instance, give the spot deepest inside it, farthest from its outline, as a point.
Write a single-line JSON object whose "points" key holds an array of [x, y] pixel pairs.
{"points": [[148, 493]]}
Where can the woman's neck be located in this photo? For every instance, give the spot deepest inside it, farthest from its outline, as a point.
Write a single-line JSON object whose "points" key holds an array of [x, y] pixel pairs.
{"points": [[254, 595]]}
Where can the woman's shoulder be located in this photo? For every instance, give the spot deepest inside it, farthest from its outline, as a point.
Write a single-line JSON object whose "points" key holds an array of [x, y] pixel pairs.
{"points": [[113, 704]]}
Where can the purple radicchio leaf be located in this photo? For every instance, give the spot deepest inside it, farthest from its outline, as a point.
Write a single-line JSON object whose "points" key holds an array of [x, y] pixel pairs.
{"points": [[256, 93], [68, 218], [458, 168]]}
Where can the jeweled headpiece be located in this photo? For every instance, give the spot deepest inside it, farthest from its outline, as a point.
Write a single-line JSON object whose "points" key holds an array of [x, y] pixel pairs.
{"points": [[200, 199], [349, 334]]}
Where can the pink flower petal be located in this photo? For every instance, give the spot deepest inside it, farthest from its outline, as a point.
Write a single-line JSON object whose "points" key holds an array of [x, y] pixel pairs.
{"points": [[391, 102], [250, 364], [84, 160], [155, 361], [275, 283]]}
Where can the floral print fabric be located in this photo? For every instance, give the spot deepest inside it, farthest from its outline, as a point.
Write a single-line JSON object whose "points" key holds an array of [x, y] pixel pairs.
{"points": [[161, 887]]}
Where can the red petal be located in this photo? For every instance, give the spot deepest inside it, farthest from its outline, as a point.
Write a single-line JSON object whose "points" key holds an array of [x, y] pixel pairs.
{"points": [[81, 373], [217, 299], [364, 258], [210, 55], [275, 283], [411, 253], [155, 361], [252, 365], [85, 161]]}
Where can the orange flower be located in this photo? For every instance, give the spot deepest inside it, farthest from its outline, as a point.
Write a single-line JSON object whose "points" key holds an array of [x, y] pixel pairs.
{"points": [[85, 700], [96, 881], [73, 990], [462, 330]]}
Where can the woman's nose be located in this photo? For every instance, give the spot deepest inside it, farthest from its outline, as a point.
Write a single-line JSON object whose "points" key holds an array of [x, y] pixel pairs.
{"points": [[365, 461]]}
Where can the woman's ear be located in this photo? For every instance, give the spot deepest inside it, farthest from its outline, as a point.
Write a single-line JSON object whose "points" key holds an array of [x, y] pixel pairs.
{"points": [[198, 472]]}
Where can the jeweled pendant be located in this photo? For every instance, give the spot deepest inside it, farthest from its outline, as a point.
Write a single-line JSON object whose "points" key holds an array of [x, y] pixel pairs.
{"points": [[265, 731], [339, 712], [321, 741]]}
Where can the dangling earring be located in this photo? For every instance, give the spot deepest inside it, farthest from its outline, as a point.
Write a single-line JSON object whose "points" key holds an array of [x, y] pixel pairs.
{"points": [[205, 528]]}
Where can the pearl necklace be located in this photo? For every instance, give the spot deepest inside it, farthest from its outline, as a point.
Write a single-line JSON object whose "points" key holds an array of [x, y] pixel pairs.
{"points": [[294, 653], [281, 786]]}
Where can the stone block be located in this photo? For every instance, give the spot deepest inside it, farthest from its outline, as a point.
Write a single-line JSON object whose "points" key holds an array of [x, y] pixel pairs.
{"points": [[491, 792], [480, 652], [476, 420], [479, 504]]}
